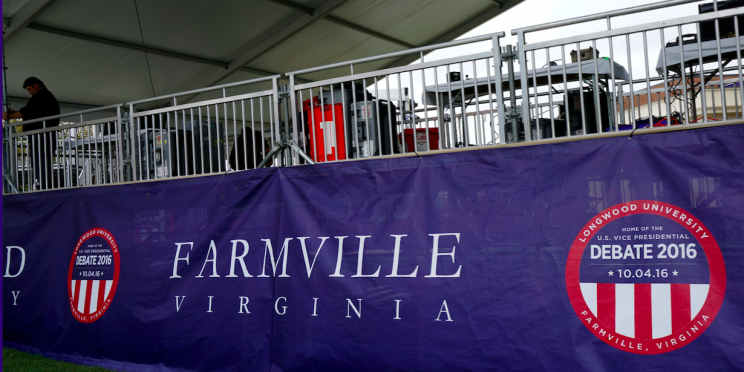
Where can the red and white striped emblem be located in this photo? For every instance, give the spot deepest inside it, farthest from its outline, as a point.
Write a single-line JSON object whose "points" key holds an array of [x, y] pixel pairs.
{"points": [[646, 277], [93, 275]]}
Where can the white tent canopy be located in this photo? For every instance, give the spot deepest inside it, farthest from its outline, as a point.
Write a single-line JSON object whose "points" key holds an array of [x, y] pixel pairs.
{"points": [[96, 53]]}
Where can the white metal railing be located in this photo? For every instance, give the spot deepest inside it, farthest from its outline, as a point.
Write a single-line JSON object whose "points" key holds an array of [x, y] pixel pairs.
{"points": [[695, 56], [369, 114], [203, 137], [40, 154], [460, 101]]}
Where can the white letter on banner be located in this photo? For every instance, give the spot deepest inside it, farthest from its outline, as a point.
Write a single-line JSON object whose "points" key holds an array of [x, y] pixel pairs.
{"points": [[308, 266], [178, 304], [212, 249], [284, 251], [396, 259], [276, 306], [596, 251], [210, 304], [340, 256], [243, 305], [238, 258], [175, 261], [435, 253], [350, 306], [15, 297], [444, 309], [397, 309], [315, 306], [361, 258], [7, 262]]}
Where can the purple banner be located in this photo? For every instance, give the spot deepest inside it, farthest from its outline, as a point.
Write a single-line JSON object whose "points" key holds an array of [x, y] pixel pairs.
{"points": [[610, 254]]}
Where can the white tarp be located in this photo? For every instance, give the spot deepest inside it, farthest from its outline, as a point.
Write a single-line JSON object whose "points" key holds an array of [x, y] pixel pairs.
{"points": [[572, 71], [708, 48]]}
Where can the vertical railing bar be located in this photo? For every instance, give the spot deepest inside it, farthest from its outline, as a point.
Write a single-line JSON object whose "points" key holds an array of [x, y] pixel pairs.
{"points": [[35, 146], [355, 110], [478, 122], [463, 108], [613, 100], [98, 162], [401, 108], [391, 122], [550, 95], [305, 133], [147, 147], [235, 137], [220, 159], [525, 87], [178, 139], [630, 84], [724, 108], [347, 122], [738, 62], [490, 96], [366, 120], [245, 144], [581, 89], [413, 113], [253, 135], [333, 131], [162, 148], [648, 82], [597, 107], [666, 80], [451, 126], [209, 137], [136, 146], [201, 139], [109, 166], [327, 140], [499, 89], [271, 124], [377, 117], [565, 90], [24, 169], [43, 179], [683, 75], [537, 101], [314, 139], [119, 147]]}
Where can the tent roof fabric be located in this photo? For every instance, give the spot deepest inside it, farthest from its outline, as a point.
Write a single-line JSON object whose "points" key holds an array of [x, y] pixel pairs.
{"points": [[96, 53]]}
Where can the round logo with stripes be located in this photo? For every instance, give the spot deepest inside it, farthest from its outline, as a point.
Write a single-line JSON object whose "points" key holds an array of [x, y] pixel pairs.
{"points": [[646, 277], [93, 275]]}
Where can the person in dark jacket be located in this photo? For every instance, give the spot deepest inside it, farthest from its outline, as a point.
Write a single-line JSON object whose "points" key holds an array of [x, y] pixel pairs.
{"points": [[42, 104]]}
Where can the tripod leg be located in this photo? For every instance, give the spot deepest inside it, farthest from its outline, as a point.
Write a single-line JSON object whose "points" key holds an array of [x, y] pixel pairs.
{"points": [[300, 152], [270, 156]]}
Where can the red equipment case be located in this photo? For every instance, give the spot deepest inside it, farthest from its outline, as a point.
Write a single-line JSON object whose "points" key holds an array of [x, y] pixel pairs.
{"points": [[421, 139], [327, 136]]}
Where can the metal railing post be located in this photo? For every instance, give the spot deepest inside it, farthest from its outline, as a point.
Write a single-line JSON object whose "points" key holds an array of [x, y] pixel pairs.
{"points": [[119, 146], [497, 62], [525, 88]]}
